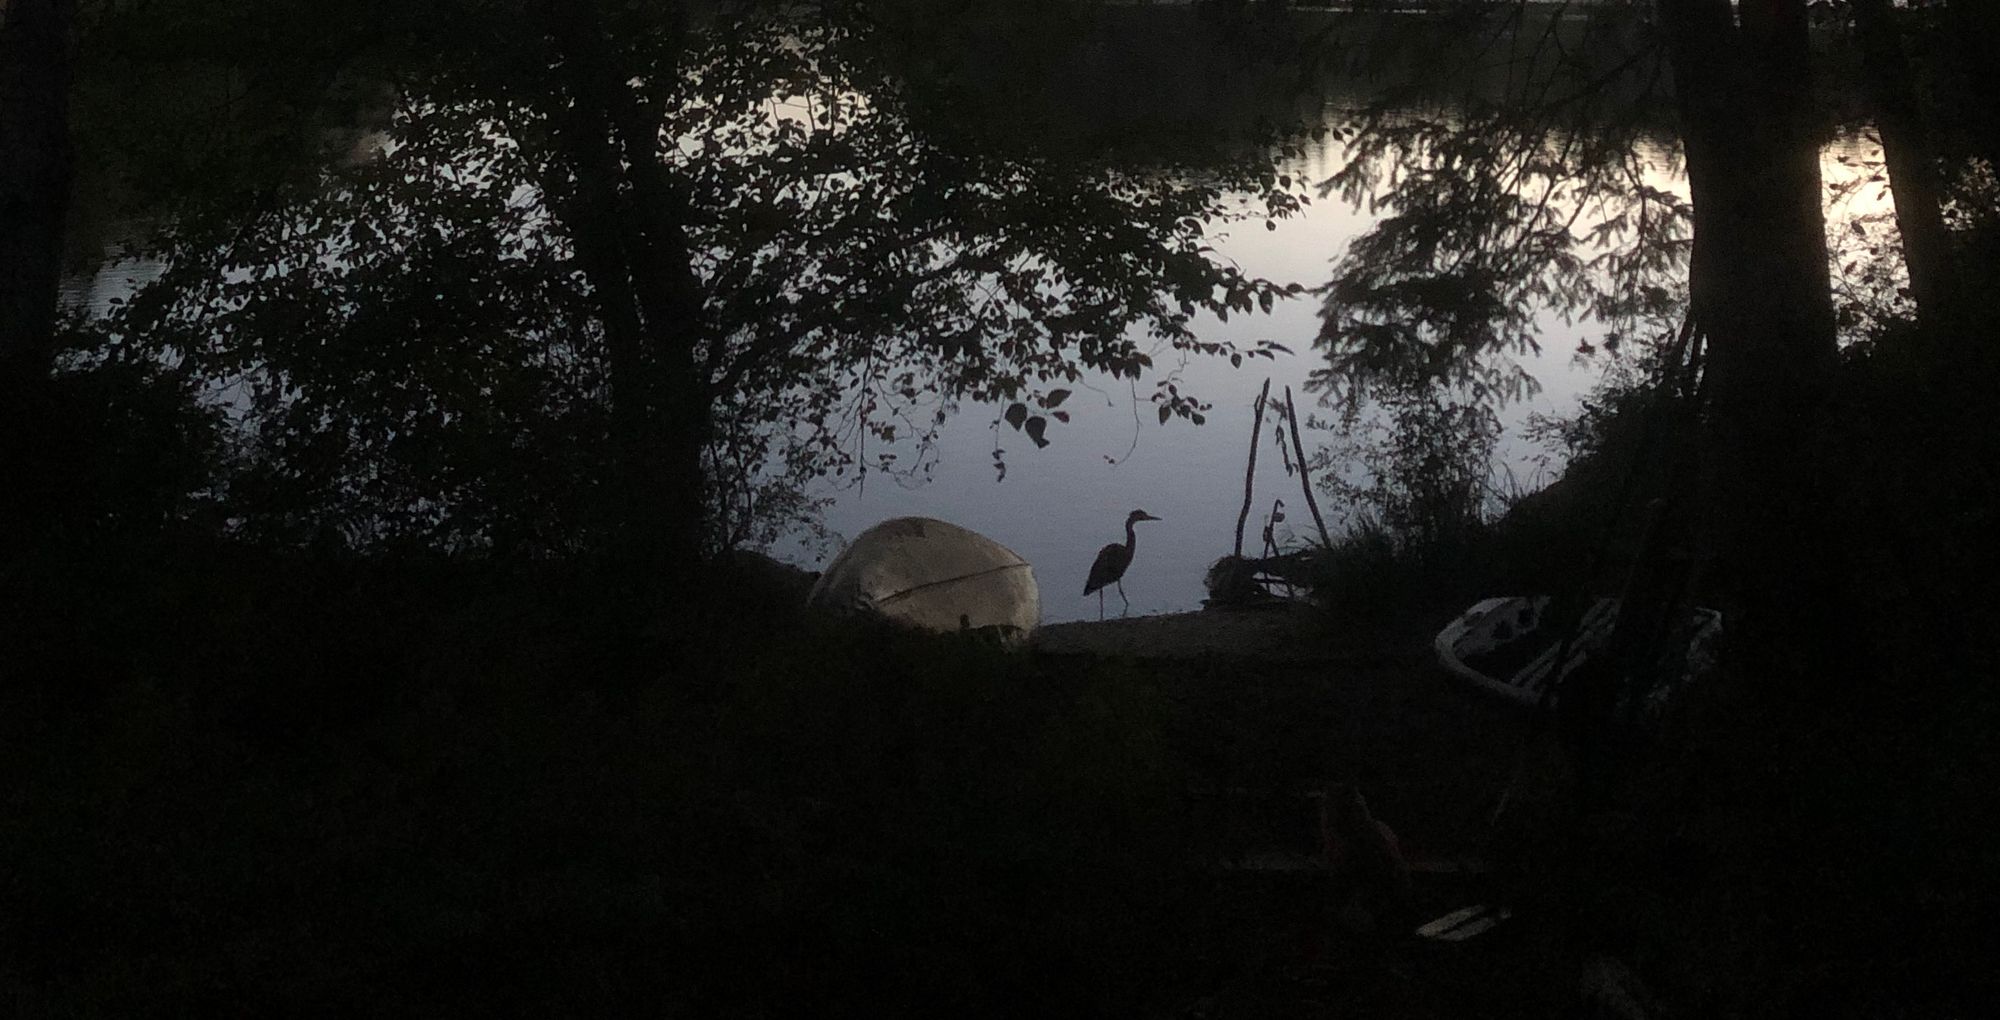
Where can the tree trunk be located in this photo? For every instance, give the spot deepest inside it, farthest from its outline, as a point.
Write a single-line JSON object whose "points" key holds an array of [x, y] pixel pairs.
{"points": [[670, 301], [1912, 161], [626, 218], [590, 208], [1760, 291], [35, 172]]}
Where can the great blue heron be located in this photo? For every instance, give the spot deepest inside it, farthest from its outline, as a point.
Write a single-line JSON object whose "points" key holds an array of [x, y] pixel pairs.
{"points": [[1109, 567]]}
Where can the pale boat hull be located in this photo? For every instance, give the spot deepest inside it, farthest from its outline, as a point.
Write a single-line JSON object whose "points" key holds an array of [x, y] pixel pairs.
{"points": [[935, 576], [1489, 629]]}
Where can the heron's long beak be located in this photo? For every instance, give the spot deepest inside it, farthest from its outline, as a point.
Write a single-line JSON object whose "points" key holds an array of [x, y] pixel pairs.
{"points": [[1150, 517]]}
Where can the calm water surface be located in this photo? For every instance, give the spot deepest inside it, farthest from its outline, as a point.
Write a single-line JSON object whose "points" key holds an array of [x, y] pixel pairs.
{"points": [[1058, 505]]}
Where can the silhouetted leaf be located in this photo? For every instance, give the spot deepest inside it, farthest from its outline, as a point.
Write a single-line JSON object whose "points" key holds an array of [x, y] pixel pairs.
{"points": [[1165, 413], [1034, 427], [460, 329]]}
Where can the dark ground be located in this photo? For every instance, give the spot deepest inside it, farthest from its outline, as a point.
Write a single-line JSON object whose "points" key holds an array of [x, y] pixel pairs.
{"points": [[415, 802], [234, 785]]}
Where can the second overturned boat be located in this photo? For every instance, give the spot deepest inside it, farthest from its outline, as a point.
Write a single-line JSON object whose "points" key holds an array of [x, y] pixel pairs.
{"points": [[1509, 645]]}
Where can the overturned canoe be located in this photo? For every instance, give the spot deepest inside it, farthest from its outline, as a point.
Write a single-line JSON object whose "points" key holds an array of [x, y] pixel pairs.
{"points": [[926, 573], [1508, 646]]}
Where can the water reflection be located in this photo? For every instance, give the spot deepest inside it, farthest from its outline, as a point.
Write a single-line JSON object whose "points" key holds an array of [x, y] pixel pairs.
{"points": [[1058, 505], [975, 237]]}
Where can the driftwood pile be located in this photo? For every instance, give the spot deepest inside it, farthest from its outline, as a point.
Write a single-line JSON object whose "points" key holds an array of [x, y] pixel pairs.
{"points": [[1236, 580], [1243, 581]]}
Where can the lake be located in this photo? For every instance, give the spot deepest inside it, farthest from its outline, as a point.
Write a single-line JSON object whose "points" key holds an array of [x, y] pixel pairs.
{"points": [[1158, 89], [1056, 506]]}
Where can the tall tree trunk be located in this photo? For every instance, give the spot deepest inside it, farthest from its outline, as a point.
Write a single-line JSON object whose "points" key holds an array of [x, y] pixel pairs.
{"points": [[671, 305], [1760, 290], [591, 209], [35, 172], [1912, 161], [627, 221]]}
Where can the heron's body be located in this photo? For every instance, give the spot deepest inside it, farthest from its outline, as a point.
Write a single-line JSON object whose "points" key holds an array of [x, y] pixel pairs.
{"points": [[1109, 567]]}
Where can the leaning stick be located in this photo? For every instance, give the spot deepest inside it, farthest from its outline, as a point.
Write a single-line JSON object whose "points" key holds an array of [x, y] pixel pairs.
{"points": [[1250, 473], [1305, 475]]}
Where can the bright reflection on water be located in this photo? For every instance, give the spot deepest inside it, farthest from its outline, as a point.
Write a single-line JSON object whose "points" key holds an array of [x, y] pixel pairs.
{"points": [[1058, 505]]}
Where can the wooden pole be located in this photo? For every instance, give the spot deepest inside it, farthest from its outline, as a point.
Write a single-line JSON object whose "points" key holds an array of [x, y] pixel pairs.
{"points": [[1305, 476], [1250, 472]]}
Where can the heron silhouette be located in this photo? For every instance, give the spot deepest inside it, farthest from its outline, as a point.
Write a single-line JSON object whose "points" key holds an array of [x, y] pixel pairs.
{"points": [[1109, 567]]}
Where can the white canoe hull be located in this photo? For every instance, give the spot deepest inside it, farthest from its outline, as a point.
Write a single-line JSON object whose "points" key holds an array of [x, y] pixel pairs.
{"points": [[1491, 626], [934, 576]]}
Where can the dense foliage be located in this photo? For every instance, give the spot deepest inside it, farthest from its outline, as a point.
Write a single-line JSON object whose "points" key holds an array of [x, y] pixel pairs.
{"points": [[332, 675], [413, 346]]}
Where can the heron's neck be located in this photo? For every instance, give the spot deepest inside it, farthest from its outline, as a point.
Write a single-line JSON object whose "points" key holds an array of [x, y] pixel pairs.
{"points": [[1131, 537]]}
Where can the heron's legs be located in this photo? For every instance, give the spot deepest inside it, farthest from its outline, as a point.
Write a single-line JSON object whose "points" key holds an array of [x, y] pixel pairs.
{"points": [[1100, 605], [1121, 594]]}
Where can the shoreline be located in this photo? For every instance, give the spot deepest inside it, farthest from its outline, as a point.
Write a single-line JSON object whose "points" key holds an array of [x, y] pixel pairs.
{"points": [[1292, 633]]}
